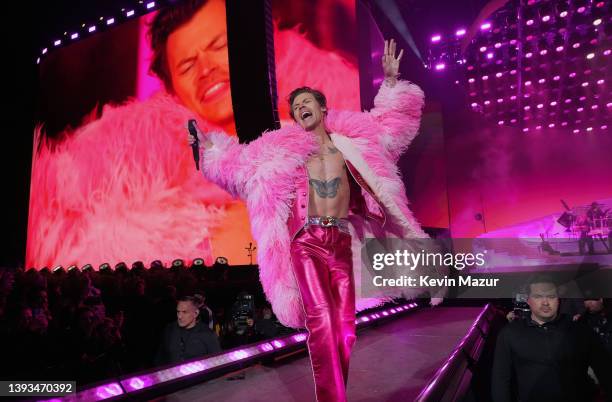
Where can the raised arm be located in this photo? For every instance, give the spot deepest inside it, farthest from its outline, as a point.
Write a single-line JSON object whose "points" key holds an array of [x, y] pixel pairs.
{"points": [[220, 161], [398, 105]]}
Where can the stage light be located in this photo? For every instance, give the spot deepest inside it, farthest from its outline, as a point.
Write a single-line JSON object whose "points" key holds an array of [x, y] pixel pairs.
{"points": [[38, 60], [489, 55], [110, 21], [576, 131], [485, 77], [529, 22], [556, 78], [541, 80], [57, 42], [551, 125], [440, 66], [178, 263], [460, 32], [540, 106], [483, 49], [150, 5], [92, 28], [471, 80], [221, 261], [595, 107], [589, 129], [129, 13], [500, 100], [526, 129], [572, 75], [527, 107], [580, 109], [58, 269], [597, 22], [485, 26], [474, 104], [559, 48], [87, 267], [527, 83], [513, 97], [581, 9], [74, 36], [72, 268], [198, 262], [498, 75], [553, 103], [604, 127], [590, 56], [487, 102], [563, 14], [585, 84], [436, 38], [528, 55], [563, 124], [606, 52], [501, 122]]}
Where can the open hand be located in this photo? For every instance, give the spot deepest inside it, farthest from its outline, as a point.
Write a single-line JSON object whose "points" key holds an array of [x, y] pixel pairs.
{"points": [[390, 63]]}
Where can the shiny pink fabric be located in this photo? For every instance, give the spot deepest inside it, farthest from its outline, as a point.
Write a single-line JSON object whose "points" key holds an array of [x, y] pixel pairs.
{"points": [[322, 264]]}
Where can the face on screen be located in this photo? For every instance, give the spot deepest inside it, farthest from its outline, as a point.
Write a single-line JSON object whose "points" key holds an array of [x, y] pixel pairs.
{"points": [[198, 64]]}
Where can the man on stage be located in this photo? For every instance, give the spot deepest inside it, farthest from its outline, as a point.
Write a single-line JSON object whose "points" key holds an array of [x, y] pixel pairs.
{"points": [[314, 191]]}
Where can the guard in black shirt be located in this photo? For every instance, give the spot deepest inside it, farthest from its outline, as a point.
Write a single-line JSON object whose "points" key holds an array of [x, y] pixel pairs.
{"points": [[545, 358], [187, 338]]}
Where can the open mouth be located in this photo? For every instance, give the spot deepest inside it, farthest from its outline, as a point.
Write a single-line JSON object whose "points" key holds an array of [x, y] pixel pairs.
{"points": [[305, 114], [215, 92]]}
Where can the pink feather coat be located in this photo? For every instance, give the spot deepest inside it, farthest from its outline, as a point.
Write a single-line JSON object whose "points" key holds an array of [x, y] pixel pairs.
{"points": [[264, 174]]}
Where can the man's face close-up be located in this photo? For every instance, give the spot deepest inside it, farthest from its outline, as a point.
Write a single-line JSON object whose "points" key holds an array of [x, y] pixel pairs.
{"points": [[543, 301], [186, 314], [307, 112], [198, 64]]}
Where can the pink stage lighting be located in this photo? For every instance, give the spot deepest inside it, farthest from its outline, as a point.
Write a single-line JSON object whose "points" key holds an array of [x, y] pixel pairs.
{"points": [[150, 5], [436, 38], [489, 55], [440, 66], [590, 56], [485, 26], [460, 32]]}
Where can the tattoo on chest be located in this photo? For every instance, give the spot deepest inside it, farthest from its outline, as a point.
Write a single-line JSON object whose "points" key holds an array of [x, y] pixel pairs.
{"points": [[326, 188]]}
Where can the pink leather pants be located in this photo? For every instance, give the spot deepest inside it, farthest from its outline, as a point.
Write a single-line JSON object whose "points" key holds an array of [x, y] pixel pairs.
{"points": [[322, 264]]}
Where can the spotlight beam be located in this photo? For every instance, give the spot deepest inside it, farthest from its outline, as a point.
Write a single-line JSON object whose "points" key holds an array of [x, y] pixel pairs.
{"points": [[392, 12]]}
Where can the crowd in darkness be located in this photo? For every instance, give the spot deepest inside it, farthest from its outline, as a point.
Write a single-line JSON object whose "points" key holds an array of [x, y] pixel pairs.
{"points": [[92, 325]]}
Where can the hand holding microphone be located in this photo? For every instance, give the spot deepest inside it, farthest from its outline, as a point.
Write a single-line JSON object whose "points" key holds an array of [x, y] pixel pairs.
{"points": [[196, 137]]}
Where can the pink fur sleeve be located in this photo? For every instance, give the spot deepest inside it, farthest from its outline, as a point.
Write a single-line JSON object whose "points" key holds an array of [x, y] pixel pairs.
{"points": [[398, 110], [221, 163]]}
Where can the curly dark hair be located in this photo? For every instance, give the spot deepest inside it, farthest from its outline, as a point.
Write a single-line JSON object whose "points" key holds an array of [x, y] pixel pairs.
{"points": [[318, 95], [165, 23]]}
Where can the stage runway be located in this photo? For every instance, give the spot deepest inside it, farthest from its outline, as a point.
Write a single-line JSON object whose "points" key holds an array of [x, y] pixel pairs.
{"points": [[390, 362]]}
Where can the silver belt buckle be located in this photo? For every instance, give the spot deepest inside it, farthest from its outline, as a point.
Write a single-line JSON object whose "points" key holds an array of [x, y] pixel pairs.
{"points": [[327, 221]]}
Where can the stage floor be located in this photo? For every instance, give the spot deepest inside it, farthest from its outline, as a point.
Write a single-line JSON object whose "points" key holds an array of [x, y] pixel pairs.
{"points": [[390, 362]]}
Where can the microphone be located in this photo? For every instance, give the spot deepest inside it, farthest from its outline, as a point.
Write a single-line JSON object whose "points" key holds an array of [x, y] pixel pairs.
{"points": [[195, 147]]}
